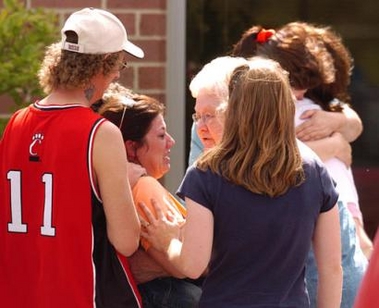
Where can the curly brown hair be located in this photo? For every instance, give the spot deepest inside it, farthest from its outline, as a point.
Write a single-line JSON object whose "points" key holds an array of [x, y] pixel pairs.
{"points": [[71, 70], [325, 93], [305, 58], [314, 55]]}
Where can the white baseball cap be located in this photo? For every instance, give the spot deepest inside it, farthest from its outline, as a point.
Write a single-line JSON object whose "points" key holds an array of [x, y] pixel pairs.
{"points": [[99, 32]]}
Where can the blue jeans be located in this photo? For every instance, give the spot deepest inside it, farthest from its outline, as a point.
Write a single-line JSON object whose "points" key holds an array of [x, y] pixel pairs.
{"points": [[169, 292], [354, 262]]}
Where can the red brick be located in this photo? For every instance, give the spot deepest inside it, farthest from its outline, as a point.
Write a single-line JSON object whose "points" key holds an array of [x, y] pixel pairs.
{"points": [[152, 78], [155, 50], [153, 24], [129, 21], [127, 78], [159, 96], [137, 4], [66, 3]]}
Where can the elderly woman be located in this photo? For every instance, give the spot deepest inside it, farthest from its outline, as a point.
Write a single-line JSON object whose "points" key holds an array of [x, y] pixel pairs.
{"points": [[210, 88], [147, 142]]}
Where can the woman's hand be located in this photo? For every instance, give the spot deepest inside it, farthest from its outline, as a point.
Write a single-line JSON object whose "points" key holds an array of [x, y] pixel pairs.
{"points": [[319, 124], [162, 230]]}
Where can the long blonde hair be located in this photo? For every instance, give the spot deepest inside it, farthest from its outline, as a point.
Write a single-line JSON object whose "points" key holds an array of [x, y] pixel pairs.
{"points": [[258, 150]]}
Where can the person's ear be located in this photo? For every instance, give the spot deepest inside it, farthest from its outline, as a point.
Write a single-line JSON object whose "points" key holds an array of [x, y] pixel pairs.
{"points": [[131, 150]]}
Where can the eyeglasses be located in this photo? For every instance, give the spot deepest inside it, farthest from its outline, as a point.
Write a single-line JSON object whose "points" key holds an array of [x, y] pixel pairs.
{"points": [[122, 65], [205, 117]]}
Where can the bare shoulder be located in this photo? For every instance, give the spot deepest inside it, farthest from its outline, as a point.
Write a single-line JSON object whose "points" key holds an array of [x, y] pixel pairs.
{"points": [[148, 187], [108, 130], [109, 149]]}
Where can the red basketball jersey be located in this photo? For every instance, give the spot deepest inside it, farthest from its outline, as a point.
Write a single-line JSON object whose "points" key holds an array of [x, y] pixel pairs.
{"points": [[54, 251]]}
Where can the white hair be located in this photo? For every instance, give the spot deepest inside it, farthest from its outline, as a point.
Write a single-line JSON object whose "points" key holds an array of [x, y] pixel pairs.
{"points": [[214, 77]]}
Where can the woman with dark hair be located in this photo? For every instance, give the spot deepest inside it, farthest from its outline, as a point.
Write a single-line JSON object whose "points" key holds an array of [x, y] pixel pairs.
{"points": [[141, 121], [334, 96]]}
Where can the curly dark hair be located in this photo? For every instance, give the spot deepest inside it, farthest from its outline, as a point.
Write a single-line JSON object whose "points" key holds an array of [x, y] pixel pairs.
{"points": [[306, 59], [71, 70]]}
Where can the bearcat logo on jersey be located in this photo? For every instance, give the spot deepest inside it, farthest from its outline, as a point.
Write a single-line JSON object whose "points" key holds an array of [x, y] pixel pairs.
{"points": [[33, 148]]}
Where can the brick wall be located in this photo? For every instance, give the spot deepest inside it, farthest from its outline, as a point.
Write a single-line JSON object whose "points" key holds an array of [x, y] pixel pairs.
{"points": [[145, 22]]}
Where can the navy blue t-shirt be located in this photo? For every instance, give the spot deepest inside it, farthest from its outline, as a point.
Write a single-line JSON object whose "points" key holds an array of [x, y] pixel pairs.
{"points": [[260, 243]]}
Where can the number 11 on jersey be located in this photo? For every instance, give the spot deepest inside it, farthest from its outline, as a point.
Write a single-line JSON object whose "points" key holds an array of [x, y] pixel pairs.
{"points": [[16, 224]]}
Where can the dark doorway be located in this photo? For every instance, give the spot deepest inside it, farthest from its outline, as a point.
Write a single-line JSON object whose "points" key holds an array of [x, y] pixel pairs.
{"points": [[213, 26]]}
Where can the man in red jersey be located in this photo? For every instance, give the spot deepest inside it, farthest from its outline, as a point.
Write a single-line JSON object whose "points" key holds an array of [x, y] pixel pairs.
{"points": [[66, 211]]}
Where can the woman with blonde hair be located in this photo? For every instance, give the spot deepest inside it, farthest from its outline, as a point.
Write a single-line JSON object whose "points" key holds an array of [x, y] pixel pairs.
{"points": [[255, 203]]}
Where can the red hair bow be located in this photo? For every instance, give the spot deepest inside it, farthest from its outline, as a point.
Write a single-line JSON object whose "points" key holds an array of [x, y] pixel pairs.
{"points": [[264, 35]]}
